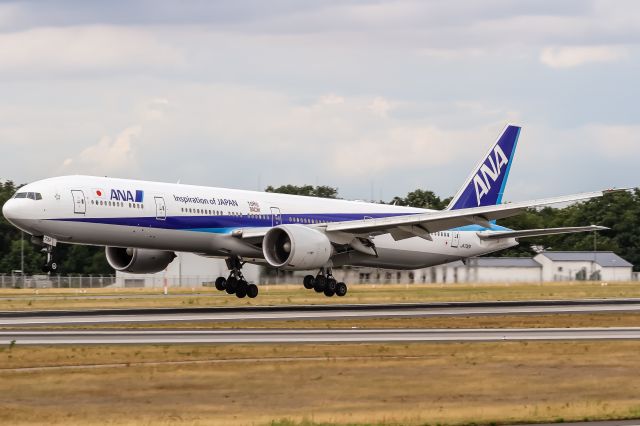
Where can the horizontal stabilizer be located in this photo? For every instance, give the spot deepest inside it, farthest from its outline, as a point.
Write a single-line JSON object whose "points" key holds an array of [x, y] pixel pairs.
{"points": [[496, 235]]}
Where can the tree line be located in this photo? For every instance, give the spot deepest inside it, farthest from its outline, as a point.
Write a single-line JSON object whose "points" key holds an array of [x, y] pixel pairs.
{"points": [[619, 211]]}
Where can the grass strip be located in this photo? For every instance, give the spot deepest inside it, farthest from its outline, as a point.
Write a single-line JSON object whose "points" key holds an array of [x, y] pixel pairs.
{"points": [[416, 383]]}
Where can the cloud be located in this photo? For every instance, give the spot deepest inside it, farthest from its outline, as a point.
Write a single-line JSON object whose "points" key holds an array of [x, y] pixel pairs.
{"points": [[340, 92], [398, 146], [109, 156], [381, 106], [155, 109], [615, 141], [573, 56], [331, 99], [84, 48]]}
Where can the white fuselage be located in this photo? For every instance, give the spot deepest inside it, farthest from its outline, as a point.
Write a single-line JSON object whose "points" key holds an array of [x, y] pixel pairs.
{"points": [[174, 217]]}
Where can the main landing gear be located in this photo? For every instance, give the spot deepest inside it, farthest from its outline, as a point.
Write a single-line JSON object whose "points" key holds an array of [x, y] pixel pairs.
{"points": [[324, 282], [235, 283]]}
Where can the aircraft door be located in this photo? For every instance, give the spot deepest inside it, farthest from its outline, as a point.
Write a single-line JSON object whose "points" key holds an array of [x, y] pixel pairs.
{"points": [[161, 208], [455, 239], [79, 205], [276, 217]]}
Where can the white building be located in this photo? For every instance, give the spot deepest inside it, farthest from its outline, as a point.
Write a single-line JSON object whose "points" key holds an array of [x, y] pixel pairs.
{"points": [[583, 265], [503, 269]]}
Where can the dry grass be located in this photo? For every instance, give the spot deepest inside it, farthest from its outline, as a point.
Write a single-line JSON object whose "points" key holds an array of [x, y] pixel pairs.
{"points": [[296, 294], [366, 383]]}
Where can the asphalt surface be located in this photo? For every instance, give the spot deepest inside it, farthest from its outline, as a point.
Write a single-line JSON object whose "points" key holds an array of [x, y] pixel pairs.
{"points": [[312, 336], [313, 312]]}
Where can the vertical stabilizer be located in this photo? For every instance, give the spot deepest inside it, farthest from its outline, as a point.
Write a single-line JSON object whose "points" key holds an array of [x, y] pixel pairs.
{"points": [[485, 185]]}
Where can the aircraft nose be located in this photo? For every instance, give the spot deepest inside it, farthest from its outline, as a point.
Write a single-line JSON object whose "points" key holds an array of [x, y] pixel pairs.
{"points": [[9, 210], [19, 214]]}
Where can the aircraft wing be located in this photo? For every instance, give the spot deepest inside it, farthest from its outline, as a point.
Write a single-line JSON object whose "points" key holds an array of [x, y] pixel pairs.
{"points": [[496, 235], [423, 224]]}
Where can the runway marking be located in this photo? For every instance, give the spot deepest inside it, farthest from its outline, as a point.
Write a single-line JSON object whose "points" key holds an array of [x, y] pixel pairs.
{"points": [[11, 319], [314, 336]]}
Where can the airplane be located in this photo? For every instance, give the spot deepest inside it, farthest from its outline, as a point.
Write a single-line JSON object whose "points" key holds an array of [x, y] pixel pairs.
{"points": [[142, 224]]}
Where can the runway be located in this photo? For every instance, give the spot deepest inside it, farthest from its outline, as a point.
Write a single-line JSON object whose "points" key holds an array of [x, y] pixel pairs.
{"points": [[314, 312], [312, 336]]}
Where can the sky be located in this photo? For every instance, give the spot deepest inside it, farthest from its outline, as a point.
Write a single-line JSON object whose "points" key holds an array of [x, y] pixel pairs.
{"points": [[376, 98]]}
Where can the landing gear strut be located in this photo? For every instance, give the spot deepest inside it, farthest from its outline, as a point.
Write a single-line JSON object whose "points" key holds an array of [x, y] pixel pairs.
{"points": [[324, 282], [51, 264], [235, 283]]}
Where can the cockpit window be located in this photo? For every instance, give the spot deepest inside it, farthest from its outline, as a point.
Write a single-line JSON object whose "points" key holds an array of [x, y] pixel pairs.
{"points": [[30, 195]]}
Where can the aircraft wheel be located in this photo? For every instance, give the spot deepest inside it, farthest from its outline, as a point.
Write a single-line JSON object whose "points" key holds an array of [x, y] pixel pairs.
{"points": [[320, 284], [308, 282], [328, 292], [241, 289], [252, 291], [332, 284], [341, 289], [221, 282], [232, 283]]}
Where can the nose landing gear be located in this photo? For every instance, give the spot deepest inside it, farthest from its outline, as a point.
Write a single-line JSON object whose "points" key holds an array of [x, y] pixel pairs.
{"points": [[324, 282], [51, 264]]}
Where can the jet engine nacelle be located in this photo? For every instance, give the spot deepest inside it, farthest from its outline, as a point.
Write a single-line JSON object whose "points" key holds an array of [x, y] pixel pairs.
{"points": [[296, 247], [138, 261]]}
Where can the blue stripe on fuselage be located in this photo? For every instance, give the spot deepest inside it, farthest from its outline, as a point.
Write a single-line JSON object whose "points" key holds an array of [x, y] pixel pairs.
{"points": [[229, 222], [226, 224]]}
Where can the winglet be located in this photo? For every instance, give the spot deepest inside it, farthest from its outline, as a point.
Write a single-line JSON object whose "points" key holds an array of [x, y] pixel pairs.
{"points": [[485, 185]]}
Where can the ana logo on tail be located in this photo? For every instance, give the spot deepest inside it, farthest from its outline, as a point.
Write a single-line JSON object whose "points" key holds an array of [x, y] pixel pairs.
{"points": [[491, 169], [485, 184]]}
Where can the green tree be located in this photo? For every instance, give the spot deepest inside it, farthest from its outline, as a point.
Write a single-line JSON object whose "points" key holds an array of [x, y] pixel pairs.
{"points": [[619, 211], [11, 260], [320, 191], [422, 199], [80, 259]]}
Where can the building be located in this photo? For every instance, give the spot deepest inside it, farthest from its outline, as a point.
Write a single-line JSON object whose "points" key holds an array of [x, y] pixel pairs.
{"points": [[191, 270], [503, 269], [583, 265]]}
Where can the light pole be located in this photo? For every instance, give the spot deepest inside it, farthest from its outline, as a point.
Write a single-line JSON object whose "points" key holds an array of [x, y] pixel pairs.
{"points": [[22, 257]]}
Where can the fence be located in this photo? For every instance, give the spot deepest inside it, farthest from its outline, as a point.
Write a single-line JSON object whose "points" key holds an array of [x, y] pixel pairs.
{"points": [[56, 281]]}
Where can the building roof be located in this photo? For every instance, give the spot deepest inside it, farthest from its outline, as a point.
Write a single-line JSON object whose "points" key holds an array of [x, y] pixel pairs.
{"points": [[505, 262], [606, 259]]}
